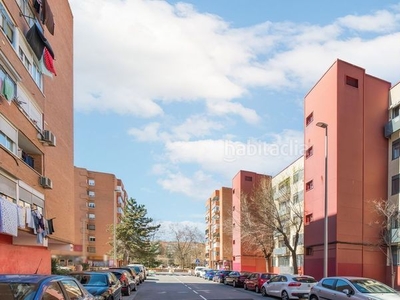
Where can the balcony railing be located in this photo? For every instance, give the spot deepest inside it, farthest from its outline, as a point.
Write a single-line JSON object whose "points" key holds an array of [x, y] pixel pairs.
{"points": [[392, 126]]}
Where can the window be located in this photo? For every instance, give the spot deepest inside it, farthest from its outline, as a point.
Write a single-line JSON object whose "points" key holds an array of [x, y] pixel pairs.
{"points": [[309, 218], [8, 135], [53, 292], [352, 81], [25, 60], [5, 24], [92, 216], [91, 182], [309, 119], [309, 185], [309, 152], [395, 111], [91, 249], [91, 227], [396, 149], [6, 79], [91, 193], [248, 178], [297, 176], [309, 251], [72, 289], [233, 242], [395, 184], [91, 205], [283, 260], [92, 238]]}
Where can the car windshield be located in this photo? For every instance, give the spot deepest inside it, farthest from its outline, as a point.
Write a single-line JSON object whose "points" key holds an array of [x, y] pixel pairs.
{"points": [[303, 279], [18, 291], [91, 279], [371, 286]]}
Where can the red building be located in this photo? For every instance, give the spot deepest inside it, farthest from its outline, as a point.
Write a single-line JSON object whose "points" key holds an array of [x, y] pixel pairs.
{"points": [[354, 106], [245, 256]]}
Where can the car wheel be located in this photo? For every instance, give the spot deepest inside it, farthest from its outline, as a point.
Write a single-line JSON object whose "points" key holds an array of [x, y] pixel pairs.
{"points": [[245, 286], [285, 295], [313, 297], [264, 292], [128, 291], [134, 288], [257, 289], [225, 282]]}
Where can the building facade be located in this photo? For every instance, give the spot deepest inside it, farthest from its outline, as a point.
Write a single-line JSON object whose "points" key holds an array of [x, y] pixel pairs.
{"points": [[36, 134], [218, 233], [352, 107], [288, 193], [100, 199], [245, 256]]}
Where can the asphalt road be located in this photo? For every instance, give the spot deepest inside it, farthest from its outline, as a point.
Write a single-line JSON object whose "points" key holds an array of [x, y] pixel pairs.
{"points": [[185, 287]]}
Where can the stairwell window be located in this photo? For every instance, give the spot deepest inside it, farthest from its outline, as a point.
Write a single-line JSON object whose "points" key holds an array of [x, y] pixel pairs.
{"points": [[309, 152], [309, 185], [309, 119], [396, 149], [352, 81], [396, 184]]}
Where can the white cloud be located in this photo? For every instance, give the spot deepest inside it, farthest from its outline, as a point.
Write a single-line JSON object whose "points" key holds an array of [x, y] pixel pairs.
{"points": [[155, 53]]}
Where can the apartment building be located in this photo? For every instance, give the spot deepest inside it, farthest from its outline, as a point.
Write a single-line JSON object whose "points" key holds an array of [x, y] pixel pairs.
{"points": [[218, 233], [288, 193], [392, 133], [36, 133], [245, 256], [100, 199], [351, 106]]}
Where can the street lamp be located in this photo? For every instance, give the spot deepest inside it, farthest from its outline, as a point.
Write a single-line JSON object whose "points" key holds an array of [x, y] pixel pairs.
{"points": [[324, 125]]}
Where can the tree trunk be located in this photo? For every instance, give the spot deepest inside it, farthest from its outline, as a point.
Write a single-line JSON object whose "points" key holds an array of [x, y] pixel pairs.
{"points": [[294, 261]]}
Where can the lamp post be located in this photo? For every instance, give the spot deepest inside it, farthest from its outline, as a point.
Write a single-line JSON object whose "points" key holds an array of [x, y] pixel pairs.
{"points": [[324, 125]]}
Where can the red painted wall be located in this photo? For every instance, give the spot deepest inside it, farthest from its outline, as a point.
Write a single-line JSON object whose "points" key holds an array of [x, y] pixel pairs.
{"points": [[22, 259]]}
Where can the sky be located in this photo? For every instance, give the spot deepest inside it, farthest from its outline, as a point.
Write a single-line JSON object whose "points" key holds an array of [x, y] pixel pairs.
{"points": [[176, 97]]}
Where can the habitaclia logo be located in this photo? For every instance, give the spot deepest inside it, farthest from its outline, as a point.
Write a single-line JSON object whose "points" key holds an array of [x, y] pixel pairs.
{"points": [[236, 150]]}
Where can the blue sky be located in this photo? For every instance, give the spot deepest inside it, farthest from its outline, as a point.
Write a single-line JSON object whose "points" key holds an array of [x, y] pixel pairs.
{"points": [[175, 98]]}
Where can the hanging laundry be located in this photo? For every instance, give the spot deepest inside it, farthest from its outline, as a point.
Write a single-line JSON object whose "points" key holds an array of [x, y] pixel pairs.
{"points": [[21, 217], [48, 61], [48, 18], [37, 5], [8, 88], [43, 69], [8, 217], [38, 41]]}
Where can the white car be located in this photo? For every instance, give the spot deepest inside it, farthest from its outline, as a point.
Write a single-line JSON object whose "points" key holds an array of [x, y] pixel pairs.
{"points": [[288, 286], [197, 270]]}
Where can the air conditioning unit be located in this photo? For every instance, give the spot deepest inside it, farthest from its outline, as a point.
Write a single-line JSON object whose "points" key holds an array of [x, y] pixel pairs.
{"points": [[49, 138], [46, 182]]}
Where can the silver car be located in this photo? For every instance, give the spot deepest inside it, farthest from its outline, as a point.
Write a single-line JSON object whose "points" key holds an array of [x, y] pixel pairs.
{"points": [[354, 288], [288, 286]]}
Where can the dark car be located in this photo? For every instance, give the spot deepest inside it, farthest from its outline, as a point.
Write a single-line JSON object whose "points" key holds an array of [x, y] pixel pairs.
{"points": [[127, 281], [220, 275], [209, 275], [38, 287], [103, 283], [256, 280], [131, 270], [139, 269], [236, 278]]}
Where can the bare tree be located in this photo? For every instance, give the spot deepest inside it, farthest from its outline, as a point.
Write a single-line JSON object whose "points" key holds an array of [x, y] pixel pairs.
{"points": [[185, 240], [388, 222], [268, 214]]}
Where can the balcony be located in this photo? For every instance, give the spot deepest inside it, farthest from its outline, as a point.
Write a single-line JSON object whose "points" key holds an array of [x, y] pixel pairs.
{"points": [[280, 251], [216, 245], [392, 126]]}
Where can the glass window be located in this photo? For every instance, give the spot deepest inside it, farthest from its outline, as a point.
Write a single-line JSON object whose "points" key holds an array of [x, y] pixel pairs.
{"points": [[395, 112], [92, 238], [396, 149], [5, 23], [53, 292], [91, 182], [91, 193], [309, 119], [395, 184], [72, 289], [91, 227], [91, 205], [92, 216]]}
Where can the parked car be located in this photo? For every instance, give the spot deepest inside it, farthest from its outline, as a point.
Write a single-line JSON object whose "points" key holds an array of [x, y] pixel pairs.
{"points": [[256, 280], [348, 287], [236, 278], [128, 283], [220, 275], [132, 271], [143, 268], [139, 270], [100, 284], [198, 269], [288, 286], [38, 287], [209, 274]]}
